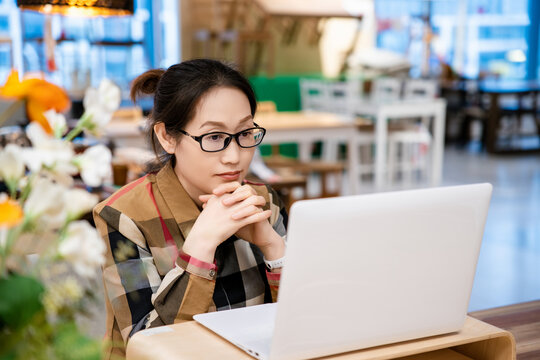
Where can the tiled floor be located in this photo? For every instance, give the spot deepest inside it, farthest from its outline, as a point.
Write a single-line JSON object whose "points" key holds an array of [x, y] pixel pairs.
{"points": [[509, 266]]}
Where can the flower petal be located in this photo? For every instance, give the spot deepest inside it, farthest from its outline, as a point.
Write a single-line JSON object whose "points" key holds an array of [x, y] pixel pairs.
{"points": [[12, 161], [11, 213], [48, 95], [13, 87], [35, 112]]}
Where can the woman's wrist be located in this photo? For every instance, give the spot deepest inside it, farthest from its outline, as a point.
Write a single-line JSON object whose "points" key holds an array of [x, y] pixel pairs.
{"points": [[275, 248], [200, 250]]}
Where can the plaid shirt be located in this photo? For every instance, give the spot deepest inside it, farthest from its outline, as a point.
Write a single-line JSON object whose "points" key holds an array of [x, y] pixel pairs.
{"points": [[150, 282]]}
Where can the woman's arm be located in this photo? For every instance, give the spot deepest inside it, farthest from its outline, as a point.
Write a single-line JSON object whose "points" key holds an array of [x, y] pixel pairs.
{"points": [[139, 297], [278, 220]]}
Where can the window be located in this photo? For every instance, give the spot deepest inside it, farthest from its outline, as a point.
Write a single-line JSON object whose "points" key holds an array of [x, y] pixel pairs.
{"points": [[475, 37], [89, 49]]}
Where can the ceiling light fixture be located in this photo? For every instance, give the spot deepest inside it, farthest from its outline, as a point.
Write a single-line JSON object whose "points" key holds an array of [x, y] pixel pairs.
{"points": [[79, 7]]}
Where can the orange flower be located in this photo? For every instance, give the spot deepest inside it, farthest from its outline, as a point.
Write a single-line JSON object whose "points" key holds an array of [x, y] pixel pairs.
{"points": [[40, 96], [11, 213]]}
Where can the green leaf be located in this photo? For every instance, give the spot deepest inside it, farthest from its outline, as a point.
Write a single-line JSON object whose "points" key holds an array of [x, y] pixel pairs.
{"points": [[70, 344], [10, 356], [20, 300]]}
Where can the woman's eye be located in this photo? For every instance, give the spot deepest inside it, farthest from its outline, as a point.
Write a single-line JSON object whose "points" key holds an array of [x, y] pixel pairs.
{"points": [[215, 137], [246, 133]]}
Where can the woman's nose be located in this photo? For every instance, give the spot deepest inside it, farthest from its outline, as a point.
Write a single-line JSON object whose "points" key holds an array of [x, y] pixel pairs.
{"points": [[231, 154]]}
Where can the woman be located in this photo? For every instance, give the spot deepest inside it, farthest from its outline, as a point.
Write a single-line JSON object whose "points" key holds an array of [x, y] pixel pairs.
{"points": [[193, 236]]}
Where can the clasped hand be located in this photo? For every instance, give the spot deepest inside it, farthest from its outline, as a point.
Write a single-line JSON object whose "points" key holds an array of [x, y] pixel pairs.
{"points": [[232, 208]]}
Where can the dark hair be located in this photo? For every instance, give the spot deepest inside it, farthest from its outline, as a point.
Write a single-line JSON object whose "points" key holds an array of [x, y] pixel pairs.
{"points": [[178, 90]]}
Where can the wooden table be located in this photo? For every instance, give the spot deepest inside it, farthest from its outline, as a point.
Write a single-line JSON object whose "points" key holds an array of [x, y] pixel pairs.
{"points": [[191, 340], [522, 320], [305, 128]]}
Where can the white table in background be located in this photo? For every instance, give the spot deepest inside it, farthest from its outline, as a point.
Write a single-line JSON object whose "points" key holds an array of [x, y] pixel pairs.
{"points": [[307, 127], [382, 111]]}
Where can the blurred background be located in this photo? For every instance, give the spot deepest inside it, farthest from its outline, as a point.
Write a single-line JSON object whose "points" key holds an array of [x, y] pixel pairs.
{"points": [[358, 96]]}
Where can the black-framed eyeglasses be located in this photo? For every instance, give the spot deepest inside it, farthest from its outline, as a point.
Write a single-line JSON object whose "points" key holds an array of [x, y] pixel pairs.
{"points": [[218, 140]]}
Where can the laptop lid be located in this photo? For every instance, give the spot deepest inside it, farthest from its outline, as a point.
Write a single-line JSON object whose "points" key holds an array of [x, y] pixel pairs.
{"points": [[367, 270]]}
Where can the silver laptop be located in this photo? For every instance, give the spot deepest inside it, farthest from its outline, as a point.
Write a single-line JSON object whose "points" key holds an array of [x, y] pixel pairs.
{"points": [[364, 271]]}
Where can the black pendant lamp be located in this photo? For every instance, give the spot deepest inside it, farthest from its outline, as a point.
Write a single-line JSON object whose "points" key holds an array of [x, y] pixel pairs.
{"points": [[79, 7]]}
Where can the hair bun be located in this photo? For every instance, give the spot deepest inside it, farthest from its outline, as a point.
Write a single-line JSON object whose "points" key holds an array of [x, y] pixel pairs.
{"points": [[146, 83]]}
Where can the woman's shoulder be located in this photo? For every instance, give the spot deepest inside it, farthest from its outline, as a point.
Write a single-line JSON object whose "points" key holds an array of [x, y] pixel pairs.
{"points": [[129, 197]]}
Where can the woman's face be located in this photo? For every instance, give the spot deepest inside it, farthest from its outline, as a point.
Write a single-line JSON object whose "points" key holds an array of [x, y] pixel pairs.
{"points": [[223, 109]]}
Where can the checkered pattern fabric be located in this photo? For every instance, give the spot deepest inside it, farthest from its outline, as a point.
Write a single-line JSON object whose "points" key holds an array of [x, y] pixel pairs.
{"points": [[150, 282]]}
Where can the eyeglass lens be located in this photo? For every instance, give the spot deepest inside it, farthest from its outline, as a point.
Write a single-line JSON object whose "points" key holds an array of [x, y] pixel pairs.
{"points": [[219, 141]]}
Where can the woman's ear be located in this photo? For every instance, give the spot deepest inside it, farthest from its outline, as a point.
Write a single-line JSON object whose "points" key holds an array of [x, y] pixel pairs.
{"points": [[168, 143]]}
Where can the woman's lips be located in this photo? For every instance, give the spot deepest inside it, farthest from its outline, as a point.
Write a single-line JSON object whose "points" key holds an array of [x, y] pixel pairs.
{"points": [[230, 176]]}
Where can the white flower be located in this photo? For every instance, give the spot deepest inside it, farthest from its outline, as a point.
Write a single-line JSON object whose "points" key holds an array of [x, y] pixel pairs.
{"points": [[45, 204], [110, 95], [62, 294], [101, 103], [3, 236], [78, 202], [83, 247], [47, 152], [11, 163], [95, 165], [57, 122], [50, 205], [37, 135]]}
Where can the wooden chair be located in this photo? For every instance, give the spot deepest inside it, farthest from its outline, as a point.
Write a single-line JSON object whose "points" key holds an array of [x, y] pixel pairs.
{"points": [[266, 106]]}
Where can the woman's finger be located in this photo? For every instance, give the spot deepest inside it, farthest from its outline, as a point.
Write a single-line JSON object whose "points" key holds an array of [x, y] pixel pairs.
{"points": [[230, 199], [248, 206], [257, 217], [246, 188], [226, 188], [256, 200], [240, 194], [245, 212], [205, 198]]}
